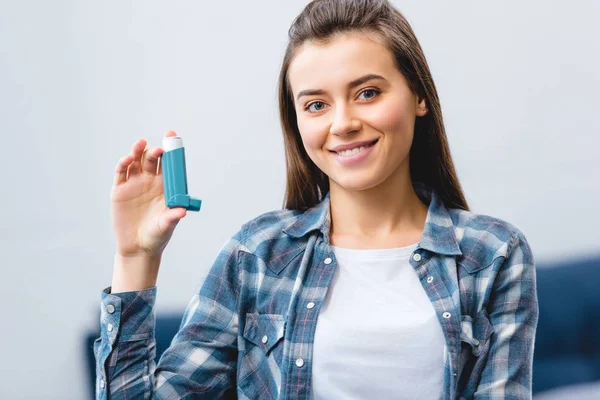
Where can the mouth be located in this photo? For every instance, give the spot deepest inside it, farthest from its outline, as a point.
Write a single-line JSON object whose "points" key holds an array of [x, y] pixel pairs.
{"points": [[354, 151]]}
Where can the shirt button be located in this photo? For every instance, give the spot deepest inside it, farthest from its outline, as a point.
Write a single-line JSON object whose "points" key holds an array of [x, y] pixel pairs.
{"points": [[430, 279], [109, 327], [265, 339], [110, 308], [327, 260], [446, 315], [310, 305], [102, 383], [417, 257], [299, 362]]}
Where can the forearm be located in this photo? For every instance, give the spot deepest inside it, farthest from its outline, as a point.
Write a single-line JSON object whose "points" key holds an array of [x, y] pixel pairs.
{"points": [[126, 349], [202, 357], [514, 313]]}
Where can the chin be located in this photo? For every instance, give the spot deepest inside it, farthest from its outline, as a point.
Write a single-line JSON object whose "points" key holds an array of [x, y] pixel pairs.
{"points": [[353, 183]]}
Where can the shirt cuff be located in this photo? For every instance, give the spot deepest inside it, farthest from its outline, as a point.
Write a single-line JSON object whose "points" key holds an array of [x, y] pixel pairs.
{"points": [[127, 316]]}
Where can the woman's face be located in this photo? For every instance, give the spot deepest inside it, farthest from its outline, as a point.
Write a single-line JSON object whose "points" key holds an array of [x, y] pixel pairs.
{"points": [[349, 90]]}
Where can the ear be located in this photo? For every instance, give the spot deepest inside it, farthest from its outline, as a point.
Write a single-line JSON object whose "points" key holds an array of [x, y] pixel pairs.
{"points": [[421, 107]]}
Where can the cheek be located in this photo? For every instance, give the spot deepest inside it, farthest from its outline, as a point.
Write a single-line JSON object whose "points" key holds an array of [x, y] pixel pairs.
{"points": [[312, 134], [395, 117]]}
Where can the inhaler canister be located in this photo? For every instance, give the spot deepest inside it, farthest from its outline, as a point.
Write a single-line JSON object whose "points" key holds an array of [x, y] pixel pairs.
{"points": [[174, 175]]}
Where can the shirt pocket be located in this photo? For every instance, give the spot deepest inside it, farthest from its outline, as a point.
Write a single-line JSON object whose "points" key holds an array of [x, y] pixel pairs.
{"points": [[259, 369], [476, 332], [264, 330]]}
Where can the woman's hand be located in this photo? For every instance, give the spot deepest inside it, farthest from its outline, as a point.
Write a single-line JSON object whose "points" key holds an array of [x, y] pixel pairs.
{"points": [[142, 223]]}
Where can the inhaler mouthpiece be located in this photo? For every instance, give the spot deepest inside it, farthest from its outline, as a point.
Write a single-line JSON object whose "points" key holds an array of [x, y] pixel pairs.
{"points": [[175, 177]]}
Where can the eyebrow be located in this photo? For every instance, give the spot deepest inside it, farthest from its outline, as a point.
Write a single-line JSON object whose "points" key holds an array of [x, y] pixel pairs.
{"points": [[354, 83]]}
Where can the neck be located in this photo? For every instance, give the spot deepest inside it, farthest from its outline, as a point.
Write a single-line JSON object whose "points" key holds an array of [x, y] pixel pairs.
{"points": [[386, 215]]}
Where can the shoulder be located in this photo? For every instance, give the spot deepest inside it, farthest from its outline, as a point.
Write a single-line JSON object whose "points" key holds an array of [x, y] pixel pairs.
{"points": [[267, 227], [264, 239], [483, 239], [269, 223]]}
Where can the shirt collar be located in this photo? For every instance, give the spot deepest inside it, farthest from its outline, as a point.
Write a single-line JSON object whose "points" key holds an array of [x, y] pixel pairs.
{"points": [[437, 236]]}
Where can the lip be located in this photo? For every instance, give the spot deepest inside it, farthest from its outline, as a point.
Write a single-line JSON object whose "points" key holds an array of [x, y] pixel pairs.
{"points": [[356, 158], [352, 145]]}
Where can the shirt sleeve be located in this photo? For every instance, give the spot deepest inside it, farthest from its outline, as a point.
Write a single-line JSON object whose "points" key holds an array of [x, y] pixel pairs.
{"points": [[513, 312], [202, 358]]}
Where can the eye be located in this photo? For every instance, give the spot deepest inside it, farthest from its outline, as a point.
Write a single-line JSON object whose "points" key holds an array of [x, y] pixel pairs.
{"points": [[371, 93], [319, 106]]}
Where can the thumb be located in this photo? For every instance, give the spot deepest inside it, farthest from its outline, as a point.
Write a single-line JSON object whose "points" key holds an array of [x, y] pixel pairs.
{"points": [[171, 217]]}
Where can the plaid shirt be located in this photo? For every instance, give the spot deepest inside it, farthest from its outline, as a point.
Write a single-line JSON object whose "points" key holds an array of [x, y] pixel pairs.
{"points": [[248, 331]]}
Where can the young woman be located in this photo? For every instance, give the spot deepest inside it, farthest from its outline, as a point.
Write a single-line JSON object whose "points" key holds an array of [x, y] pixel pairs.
{"points": [[374, 281]]}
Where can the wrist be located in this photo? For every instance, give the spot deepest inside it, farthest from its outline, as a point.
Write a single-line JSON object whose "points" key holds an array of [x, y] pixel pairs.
{"points": [[133, 273]]}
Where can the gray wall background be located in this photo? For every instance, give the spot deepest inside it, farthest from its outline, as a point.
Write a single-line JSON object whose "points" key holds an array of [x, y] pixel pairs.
{"points": [[80, 81]]}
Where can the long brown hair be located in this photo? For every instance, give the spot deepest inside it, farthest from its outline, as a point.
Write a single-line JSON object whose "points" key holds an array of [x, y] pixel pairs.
{"points": [[430, 159]]}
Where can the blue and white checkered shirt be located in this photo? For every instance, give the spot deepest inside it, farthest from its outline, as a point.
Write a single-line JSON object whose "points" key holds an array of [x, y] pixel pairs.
{"points": [[248, 333]]}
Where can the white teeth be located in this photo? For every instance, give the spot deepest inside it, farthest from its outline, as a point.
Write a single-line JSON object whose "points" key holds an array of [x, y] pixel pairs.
{"points": [[348, 153]]}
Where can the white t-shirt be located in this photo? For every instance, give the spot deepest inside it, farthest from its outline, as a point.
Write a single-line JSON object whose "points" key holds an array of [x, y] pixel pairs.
{"points": [[377, 334]]}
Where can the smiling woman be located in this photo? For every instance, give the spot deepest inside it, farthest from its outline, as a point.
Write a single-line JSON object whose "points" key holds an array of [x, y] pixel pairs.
{"points": [[345, 57], [374, 281]]}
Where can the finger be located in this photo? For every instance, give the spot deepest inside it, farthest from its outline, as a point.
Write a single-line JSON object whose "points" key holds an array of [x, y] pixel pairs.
{"points": [[121, 170], [150, 160], [159, 169], [136, 151]]}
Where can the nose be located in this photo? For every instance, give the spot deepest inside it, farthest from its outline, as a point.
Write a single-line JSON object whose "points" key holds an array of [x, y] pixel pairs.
{"points": [[344, 122]]}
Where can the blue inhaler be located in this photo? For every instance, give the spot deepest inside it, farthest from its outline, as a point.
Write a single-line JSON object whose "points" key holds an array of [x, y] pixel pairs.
{"points": [[174, 176]]}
